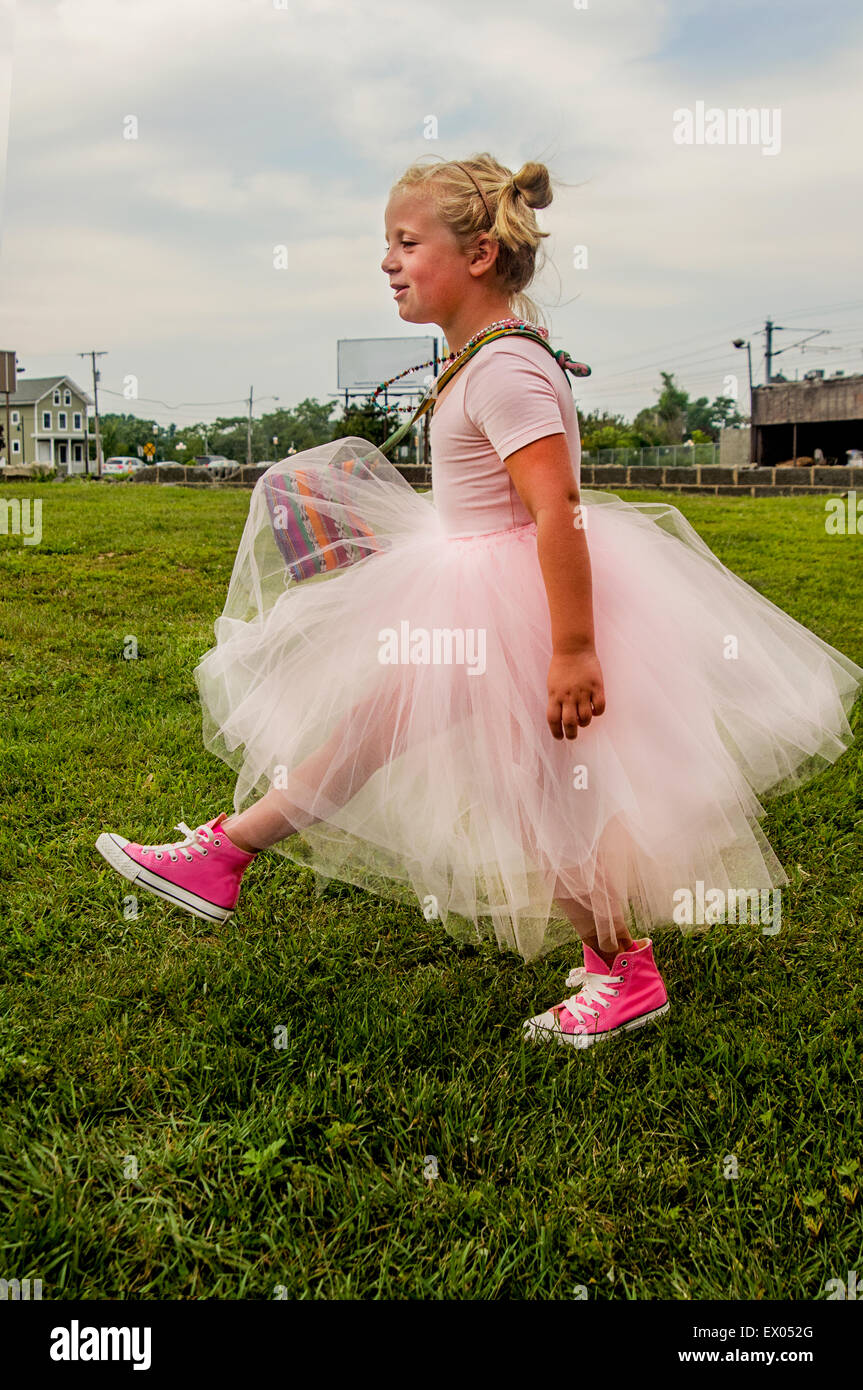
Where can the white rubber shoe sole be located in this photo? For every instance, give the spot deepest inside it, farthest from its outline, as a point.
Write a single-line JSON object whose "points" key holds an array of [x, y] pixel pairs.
{"points": [[110, 847], [536, 1032]]}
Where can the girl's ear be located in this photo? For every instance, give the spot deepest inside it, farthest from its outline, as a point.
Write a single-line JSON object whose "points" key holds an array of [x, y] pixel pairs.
{"points": [[484, 255]]}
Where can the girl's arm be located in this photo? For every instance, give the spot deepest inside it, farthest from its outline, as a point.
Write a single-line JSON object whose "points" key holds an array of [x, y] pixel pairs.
{"points": [[542, 475]]}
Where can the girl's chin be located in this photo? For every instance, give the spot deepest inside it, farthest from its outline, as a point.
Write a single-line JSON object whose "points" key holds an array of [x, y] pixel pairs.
{"points": [[411, 316]]}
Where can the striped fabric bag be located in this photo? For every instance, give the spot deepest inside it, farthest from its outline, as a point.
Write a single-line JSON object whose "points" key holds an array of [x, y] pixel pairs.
{"points": [[315, 528]]}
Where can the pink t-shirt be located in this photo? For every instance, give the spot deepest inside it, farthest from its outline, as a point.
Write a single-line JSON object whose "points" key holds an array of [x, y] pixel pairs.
{"points": [[509, 394]]}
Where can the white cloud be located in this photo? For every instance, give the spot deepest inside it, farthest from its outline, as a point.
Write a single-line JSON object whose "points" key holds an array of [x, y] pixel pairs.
{"points": [[261, 125]]}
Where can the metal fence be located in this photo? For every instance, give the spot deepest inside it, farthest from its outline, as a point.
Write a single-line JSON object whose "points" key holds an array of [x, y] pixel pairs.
{"points": [[656, 456]]}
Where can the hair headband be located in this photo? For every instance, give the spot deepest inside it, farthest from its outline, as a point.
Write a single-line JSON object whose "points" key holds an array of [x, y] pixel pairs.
{"points": [[478, 189]]}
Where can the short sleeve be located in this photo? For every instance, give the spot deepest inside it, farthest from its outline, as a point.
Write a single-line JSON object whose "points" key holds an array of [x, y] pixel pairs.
{"points": [[511, 399]]}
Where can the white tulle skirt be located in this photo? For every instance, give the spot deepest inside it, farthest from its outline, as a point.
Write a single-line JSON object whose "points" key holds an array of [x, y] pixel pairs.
{"points": [[386, 684]]}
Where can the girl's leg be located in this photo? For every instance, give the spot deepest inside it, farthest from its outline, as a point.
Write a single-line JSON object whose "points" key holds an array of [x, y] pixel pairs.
{"points": [[359, 745], [260, 826], [585, 925]]}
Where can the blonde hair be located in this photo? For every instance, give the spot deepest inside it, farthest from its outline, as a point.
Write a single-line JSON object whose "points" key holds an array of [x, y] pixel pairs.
{"points": [[511, 199]]}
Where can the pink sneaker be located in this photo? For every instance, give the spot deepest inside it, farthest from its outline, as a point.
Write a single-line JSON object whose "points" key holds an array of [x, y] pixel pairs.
{"points": [[628, 994], [201, 874]]}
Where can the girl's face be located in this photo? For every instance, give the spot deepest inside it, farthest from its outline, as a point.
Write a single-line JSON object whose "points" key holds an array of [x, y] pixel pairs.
{"points": [[423, 262]]}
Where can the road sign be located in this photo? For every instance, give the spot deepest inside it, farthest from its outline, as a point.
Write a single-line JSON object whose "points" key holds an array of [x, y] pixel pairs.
{"points": [[149, 450], [7, 372]]}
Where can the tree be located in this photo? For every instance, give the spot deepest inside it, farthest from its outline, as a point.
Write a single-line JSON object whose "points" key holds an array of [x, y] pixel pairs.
{"points": [[648, 430], [675, 417], [671, 409], [227, 436], [709, 417], [313, 424], [367, 420], [303, 427], [122, 434], [599, 430]]}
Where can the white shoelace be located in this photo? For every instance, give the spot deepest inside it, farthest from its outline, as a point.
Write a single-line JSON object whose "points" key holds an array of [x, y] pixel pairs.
{"points": [[591, 991], [195, 839]]}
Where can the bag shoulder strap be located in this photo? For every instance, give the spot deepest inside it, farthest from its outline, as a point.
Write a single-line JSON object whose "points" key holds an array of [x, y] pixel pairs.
{"points": [[564, 361]]}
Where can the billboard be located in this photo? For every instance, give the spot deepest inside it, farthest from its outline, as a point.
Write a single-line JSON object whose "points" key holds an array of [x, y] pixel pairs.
{"points": [[363, 363]]}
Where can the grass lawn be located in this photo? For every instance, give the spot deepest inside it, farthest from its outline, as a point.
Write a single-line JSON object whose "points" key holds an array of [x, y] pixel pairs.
{"points": [[156, 1144]]}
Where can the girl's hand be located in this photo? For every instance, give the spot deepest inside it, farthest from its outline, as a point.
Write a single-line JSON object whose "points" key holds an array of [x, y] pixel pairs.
{"points": [[575, 692]]}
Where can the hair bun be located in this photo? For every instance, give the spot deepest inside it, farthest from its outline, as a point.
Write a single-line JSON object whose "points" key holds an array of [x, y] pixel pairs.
{"points": [[534, 184]]}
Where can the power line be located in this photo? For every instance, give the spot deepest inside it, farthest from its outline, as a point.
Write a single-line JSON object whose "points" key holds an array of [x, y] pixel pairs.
{"points": [[661, 347], [664, 363], [178, 405], [842, 307]]}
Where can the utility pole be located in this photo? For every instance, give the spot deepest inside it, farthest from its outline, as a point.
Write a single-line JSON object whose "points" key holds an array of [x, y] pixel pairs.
{"points": [[770, 328], [93, 356], [8, 384], [249, 429]]}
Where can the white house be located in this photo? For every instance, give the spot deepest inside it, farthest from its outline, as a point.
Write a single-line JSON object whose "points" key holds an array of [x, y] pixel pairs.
{"points": [[49, 423]]}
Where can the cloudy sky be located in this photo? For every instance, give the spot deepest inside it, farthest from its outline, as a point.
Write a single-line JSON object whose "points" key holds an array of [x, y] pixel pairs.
{"points": [[263, 123]]}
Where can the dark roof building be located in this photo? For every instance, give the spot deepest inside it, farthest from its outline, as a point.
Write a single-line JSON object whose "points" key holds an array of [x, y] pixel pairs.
{"points": [[807, 421]]}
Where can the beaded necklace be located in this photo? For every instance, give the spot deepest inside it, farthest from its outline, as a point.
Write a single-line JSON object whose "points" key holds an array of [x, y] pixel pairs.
{"points": [[454, 356], [456, 360]]}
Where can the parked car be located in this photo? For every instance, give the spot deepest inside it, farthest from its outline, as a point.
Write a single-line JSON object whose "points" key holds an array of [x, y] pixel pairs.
{"points": [[214, 461], [121, 465]]}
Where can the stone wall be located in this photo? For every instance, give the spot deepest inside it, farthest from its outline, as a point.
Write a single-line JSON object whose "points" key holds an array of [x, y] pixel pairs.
{"points": [[731, 482], [734, 482], [242, 476]]}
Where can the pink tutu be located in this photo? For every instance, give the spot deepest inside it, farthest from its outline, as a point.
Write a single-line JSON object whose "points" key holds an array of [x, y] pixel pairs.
{"points": [[395, 699]]}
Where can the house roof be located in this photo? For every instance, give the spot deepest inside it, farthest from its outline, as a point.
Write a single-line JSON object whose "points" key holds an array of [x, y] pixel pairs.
{"points": [[31, 390]]}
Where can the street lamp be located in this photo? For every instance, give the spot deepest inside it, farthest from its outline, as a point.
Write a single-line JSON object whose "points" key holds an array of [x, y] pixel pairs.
{"points": [[741, 343]]}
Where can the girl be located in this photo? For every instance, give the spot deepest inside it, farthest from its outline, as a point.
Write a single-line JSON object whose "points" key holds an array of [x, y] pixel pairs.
{"points": [[539, 714]]}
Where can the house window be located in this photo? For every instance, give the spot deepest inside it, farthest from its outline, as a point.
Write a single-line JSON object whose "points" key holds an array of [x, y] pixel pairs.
{"points": [[76, 420], [76, 453], [67, 397], [16, 446], [46, 419], [61, 420], [56, 395], [15, 417]]}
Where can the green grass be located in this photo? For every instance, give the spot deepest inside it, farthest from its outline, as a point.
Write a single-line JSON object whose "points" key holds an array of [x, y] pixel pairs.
{"points": [[303, 1166]]}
